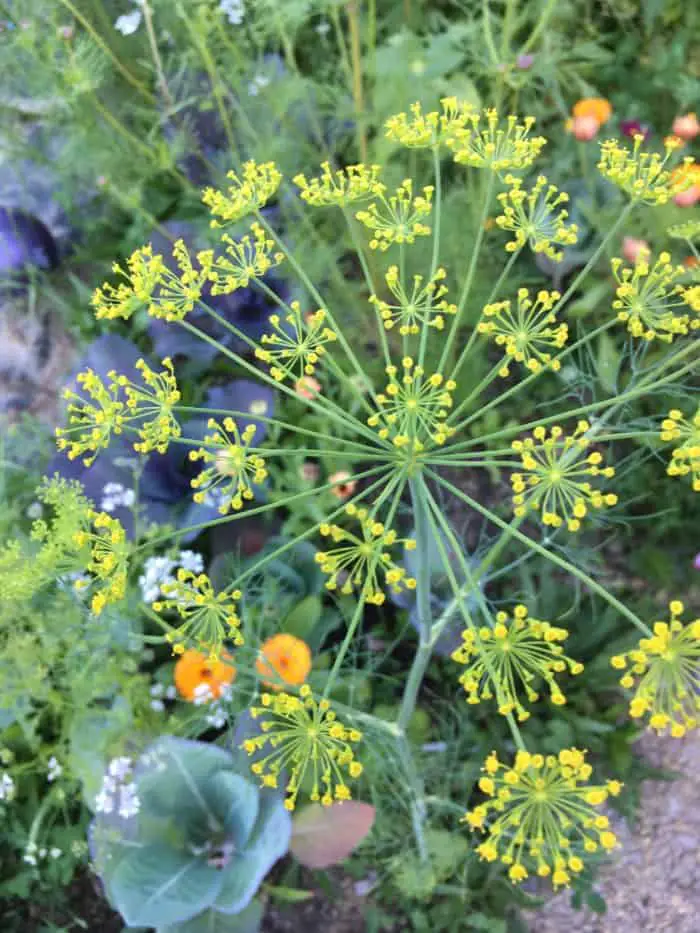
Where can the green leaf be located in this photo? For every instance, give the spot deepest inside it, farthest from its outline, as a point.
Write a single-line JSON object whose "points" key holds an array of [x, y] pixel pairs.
{"points": [[608, 363], [211, 921], [288, 895], [303, 618], [324, 836], [156, 884]]}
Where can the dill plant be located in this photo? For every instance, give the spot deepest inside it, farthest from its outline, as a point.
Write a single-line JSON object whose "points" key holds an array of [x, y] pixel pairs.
{"points": [[400, 442]]}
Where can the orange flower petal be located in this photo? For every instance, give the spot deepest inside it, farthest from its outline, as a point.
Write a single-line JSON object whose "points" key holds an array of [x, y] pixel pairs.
{"points": [[285, 658], [195, 668], [597, 107]]}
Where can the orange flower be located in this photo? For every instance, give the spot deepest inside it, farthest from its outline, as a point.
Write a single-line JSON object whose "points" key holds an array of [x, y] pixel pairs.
{"points": [[199, 679], [597, 107], [691, 262], [285, 657], [343, 485], [688, 177]]}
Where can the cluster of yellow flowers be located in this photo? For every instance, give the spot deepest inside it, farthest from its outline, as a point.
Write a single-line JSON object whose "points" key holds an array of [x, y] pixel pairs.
{"points": [[528, 332], [303, 739], [663, 671], [297, 344], [685, 459], [425, 306], [358, 561], [554, 478], [233, 470], [641, 175], [485, 143], [398, 218], [340, 187], [536, 217], [250, 191], [503, 661], [431, 130], [209, 618], [648, 298]]}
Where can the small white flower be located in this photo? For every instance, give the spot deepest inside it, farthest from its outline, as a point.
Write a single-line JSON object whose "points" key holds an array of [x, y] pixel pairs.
{"points": [[234, 10], [157, 690], [171, 693], [216, 717], [119, 767], [202, 694], [54, 769], [7, 787], [259, 83], [104, 803], [191, 560], [115, 496], [35, 510], [55, 852], [157, 706], [42, 853], [323, 28], [129, 803], [29, 859], [128, 23]]}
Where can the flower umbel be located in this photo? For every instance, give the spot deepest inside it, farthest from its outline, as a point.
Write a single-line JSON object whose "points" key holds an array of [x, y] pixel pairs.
{"points": [[92, 419], [143, 272], [303, 737], [528, 332], [641, 175], [422, 131], [360, 560], [344, 186], [685, 459], [663, 671], [251, 257], [151, 404], [297, 344], [648, 298], [540, 814], [250, 191], [209, 618], [536, 217], [233, 469], [486, 143], [108, 550], [554, 481], [398, 218], [425, 306], [503, 661], [414, 407], [174, 294]]}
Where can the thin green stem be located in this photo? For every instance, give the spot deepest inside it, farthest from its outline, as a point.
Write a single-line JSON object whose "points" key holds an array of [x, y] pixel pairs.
{"points": [[544, 552]]}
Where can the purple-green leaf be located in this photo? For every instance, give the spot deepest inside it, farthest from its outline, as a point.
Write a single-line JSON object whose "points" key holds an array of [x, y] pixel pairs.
{"points": [[323, 836]]}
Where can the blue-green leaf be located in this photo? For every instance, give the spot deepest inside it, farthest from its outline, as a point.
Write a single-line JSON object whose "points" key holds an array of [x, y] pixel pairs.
{"points": [[234, 800], [157, 885], [211, 921]]}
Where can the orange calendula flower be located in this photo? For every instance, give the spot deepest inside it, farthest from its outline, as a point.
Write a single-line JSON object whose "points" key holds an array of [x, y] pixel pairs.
{"points": [[285, 659], [199, 679], [597, 107]]}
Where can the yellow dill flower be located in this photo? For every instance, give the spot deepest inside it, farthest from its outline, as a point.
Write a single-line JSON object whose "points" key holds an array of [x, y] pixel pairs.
{"points": [[427, 131], [176, 293], [297, 344], [685, 459], [398, 218], [234, 469], [648, 296], [641, 175], [93, 419], [689, 230], [414, 407], [426, 305], [540, 814], [151, 405], [251, 257], [209, 618], [554, 479], [663, 672], [343, 186], [485, 143], [105, 538], [302, 739], [527, 332], [250, 191], [503, 661], [358, 561], [536, 217], [143, 272]]}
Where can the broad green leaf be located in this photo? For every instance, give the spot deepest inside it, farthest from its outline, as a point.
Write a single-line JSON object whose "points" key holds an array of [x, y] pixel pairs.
{"points": [[157, 885], [324, 836], [234, 800], [303, 618], [211, 921]]}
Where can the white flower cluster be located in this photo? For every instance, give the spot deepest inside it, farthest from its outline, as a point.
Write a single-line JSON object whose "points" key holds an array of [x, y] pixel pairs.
{"points": [[118, 790], [128, 23], [160, 570], [233, 10], [217, 716], [115, 496], [33, 854], [159, 693], [54, 769], [7, 787]]}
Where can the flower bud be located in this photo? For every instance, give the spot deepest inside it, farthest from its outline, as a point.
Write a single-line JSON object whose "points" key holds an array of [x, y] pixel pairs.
{"points": [[686, 126], [635, 250], [585, 128]]}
